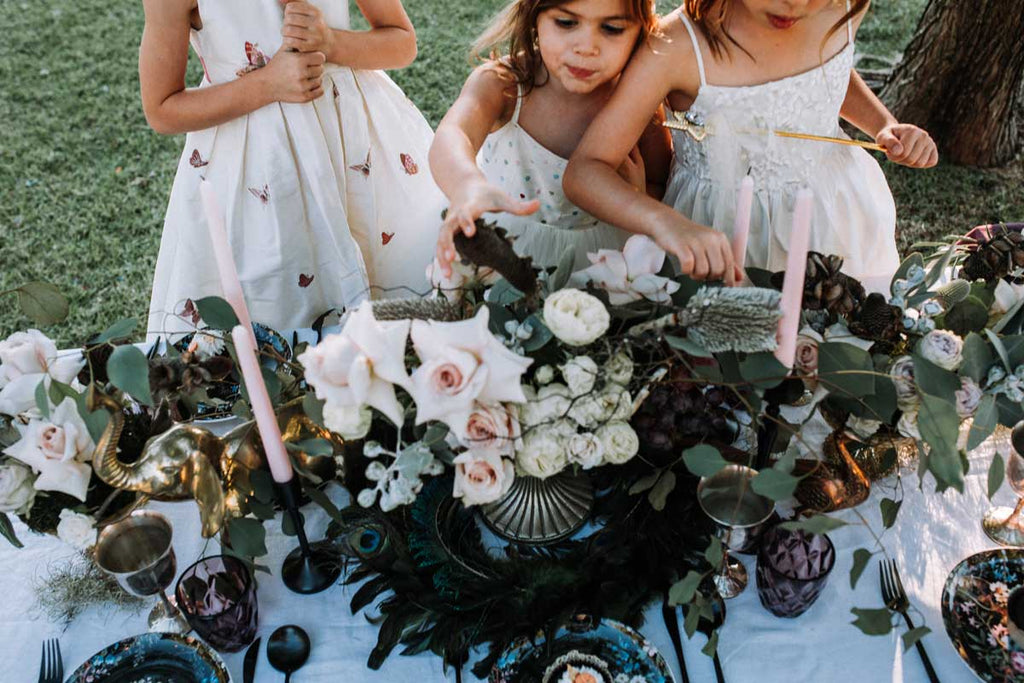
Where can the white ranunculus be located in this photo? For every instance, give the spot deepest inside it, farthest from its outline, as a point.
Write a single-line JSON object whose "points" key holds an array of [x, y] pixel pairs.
{"points": [[907, 426], [545, 375], [943, 348], [350, 422], [77, 530], [544, 452], [549, 404], [630, 274], [580, 373], [481, 477], [611, 403], [620, 442], [26, 359], [902, 374], [488, 426], [968, 397], [206, 344], [585, 450], [619, 368], [16, 490], [58, 449], [575, 317]]}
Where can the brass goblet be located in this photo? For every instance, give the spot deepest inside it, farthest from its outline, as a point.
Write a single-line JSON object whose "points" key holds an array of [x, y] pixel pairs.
{"points": [[1005, 525], [739, 515], [137, 552]]}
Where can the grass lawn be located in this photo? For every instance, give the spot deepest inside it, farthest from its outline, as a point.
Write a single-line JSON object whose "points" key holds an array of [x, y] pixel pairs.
{"points": [[84, 182]]}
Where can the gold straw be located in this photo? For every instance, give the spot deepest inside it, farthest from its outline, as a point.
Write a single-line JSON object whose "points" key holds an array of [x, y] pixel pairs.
{"points": [[692, 129]]}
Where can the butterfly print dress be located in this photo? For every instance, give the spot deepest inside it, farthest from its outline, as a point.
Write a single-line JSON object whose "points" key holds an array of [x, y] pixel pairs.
{"points": [[326, 203]]}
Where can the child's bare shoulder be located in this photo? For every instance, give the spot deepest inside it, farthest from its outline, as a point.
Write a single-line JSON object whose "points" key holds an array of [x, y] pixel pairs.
{"points": [[670, 38], [493, 85]]}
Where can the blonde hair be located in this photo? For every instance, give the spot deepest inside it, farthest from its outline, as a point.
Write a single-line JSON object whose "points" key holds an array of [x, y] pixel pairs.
{"points": [[511, 37], [710, 16]]}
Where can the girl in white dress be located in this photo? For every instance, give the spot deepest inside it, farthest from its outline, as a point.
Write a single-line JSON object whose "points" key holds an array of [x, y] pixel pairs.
{"points": [[318, 160], [503, 146], [744, 68]]}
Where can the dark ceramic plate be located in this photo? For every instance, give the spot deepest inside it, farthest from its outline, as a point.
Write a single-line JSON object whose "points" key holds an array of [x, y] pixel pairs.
{"points": [[153, 658], [974, 612], [609, 651]]}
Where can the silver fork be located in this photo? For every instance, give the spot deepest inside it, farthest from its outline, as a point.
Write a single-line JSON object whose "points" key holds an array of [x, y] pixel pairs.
{"points": [[51, 668], [895, 598]]}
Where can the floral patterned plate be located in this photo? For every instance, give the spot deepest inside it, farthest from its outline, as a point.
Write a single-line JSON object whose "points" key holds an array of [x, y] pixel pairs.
{"points": [[586, 649], [974, 612], [153, 658]]}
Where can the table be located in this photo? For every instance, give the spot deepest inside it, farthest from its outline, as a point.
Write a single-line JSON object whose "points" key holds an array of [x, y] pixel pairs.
{"points": [[931, 535]]}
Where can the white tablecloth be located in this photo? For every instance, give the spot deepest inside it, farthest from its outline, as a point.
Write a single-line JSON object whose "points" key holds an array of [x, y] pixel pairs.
{"points": [[932, 534]]}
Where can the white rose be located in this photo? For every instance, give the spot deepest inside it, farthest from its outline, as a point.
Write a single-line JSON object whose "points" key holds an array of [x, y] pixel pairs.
{"points": [[619, 368], [943, 348], [1006, 297], [862, 427], [77, 530], [968, 397], [907, 426], [575, 317], [544, 451], [482, 476], [57, 449], [611, 403], [585, 450], [16, 490], [547, 405], [580, 374], [351, 422], [26, 359], [620, 442], [464, 276], [491, 427], [544, 375], [902, 374]]}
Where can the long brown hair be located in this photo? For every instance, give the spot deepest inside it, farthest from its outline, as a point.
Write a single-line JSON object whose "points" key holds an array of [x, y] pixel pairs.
{"points": [[710, 16], [512, 35]]}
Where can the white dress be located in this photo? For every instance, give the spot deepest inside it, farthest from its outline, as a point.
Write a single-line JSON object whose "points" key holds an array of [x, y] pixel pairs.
{"points": [[514, 161], [326, 202], [854, 214]]}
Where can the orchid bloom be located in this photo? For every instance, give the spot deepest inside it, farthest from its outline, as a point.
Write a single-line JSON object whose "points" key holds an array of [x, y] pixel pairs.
{"points": [[630, 274]]}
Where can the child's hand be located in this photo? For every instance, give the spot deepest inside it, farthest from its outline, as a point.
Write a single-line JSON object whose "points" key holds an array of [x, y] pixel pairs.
{"points": [[304, 28], [469, 204], [633, 171], [703, 253], [295, 76], [909, 145]]}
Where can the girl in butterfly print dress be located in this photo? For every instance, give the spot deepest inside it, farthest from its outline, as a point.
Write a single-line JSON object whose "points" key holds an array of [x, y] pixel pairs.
{"points": [[318, 160]]}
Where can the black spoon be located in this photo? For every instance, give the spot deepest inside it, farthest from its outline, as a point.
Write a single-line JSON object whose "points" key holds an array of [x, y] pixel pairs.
{"points": [[288, 649]]}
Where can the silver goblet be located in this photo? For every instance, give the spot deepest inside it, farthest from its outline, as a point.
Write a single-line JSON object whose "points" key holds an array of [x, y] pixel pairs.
{"points": [[739, 515], [137, 552], [1005, 525]]}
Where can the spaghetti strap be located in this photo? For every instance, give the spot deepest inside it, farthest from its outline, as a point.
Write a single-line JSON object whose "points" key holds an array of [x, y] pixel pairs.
{"points": [[519, 103], [696, 46]]}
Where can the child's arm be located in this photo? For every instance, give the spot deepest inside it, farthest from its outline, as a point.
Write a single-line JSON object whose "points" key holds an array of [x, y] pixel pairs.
{"points": [[904, 143], [171, 108], [389, 44], [481, 105], [592, 182]]}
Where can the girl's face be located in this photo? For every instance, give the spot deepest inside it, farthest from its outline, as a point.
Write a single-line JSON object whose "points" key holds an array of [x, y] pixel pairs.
{"points": [[783, 14], [586, 43]]}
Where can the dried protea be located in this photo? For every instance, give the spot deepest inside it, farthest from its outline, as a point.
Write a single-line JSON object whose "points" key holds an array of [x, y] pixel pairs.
{"points": [[997, 258], [826, 288], [490, 247]]}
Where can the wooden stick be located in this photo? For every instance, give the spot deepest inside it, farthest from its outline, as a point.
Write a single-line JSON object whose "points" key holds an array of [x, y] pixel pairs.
{"points": [[688, 127]]}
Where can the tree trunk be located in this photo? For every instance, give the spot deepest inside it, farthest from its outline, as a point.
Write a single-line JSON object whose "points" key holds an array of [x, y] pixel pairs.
{"points": [[962, 79]]}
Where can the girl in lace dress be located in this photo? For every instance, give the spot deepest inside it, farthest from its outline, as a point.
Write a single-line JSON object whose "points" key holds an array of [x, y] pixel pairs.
{"points": [[502, 147], [740, 69], [318, 160]]}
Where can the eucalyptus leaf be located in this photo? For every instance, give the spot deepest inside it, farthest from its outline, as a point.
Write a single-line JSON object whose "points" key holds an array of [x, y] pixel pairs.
{"points": [[986, 417], [260, 510], [43, 303], [682, 591], [122, 329], [217, 313], [128, 370], [248, 537], [711, 647], [969, 315], [314, 408], [873, 622], [321, 499], [861, 557], [42, 399], [763, 370], [504, 294], [312, 447], [561, 275], [542, 334], [714, 553], [687, 346], [939, 425], [1000, 350], [977, 358], [818, 524], [913, 635], [931, 379], [846, 368], [262, 485], [95, 420], [704, 460], [661, 490], [1010, 322], [644, 483], [774, 484], [996, 474], [7, 531], [890, 508]]}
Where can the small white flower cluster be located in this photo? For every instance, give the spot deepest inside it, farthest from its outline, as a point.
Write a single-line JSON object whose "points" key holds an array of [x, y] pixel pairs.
{"points": [[397, 483], [1010, 384]]}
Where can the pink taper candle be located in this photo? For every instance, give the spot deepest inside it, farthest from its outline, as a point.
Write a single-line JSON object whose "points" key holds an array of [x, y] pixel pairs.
{"points": [[262, 409], [229, 281], [793, 285], [741, 224]]}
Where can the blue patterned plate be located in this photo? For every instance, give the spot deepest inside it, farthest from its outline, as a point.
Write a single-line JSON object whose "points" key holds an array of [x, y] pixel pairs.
{"points": [[603, 651], [974, 612], [153, 658]]}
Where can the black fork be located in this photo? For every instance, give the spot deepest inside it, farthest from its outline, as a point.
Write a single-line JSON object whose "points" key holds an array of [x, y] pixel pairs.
{"points": [[895, 598], [51, 668]]}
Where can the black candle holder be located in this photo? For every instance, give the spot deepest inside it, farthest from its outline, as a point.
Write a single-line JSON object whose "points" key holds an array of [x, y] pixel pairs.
{"points": [[312, 567]]}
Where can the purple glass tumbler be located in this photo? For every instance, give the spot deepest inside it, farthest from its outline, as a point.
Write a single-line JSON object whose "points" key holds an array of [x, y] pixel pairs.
{"points": [[217, 595], [792, 570]]}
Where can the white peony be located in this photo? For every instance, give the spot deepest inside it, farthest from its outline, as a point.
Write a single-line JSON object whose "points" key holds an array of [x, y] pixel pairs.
{"points": [[549, 404], [26, 359], [580, 374], [968, 397], [902, 374], [77, 530], [943, 348], [620, 442], [575, 317], [611, 403], [630, 274], [58, 449], [16, 490], [481, 477], [619, 368], [350, 422], [585, 450], [544, 450]]}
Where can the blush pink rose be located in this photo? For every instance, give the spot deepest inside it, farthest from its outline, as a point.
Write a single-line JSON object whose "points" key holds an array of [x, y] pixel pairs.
{"points": [[482, 477]]}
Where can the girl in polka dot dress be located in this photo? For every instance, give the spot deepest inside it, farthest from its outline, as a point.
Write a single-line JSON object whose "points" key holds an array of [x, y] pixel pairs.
{"points": [[502, 148]]}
